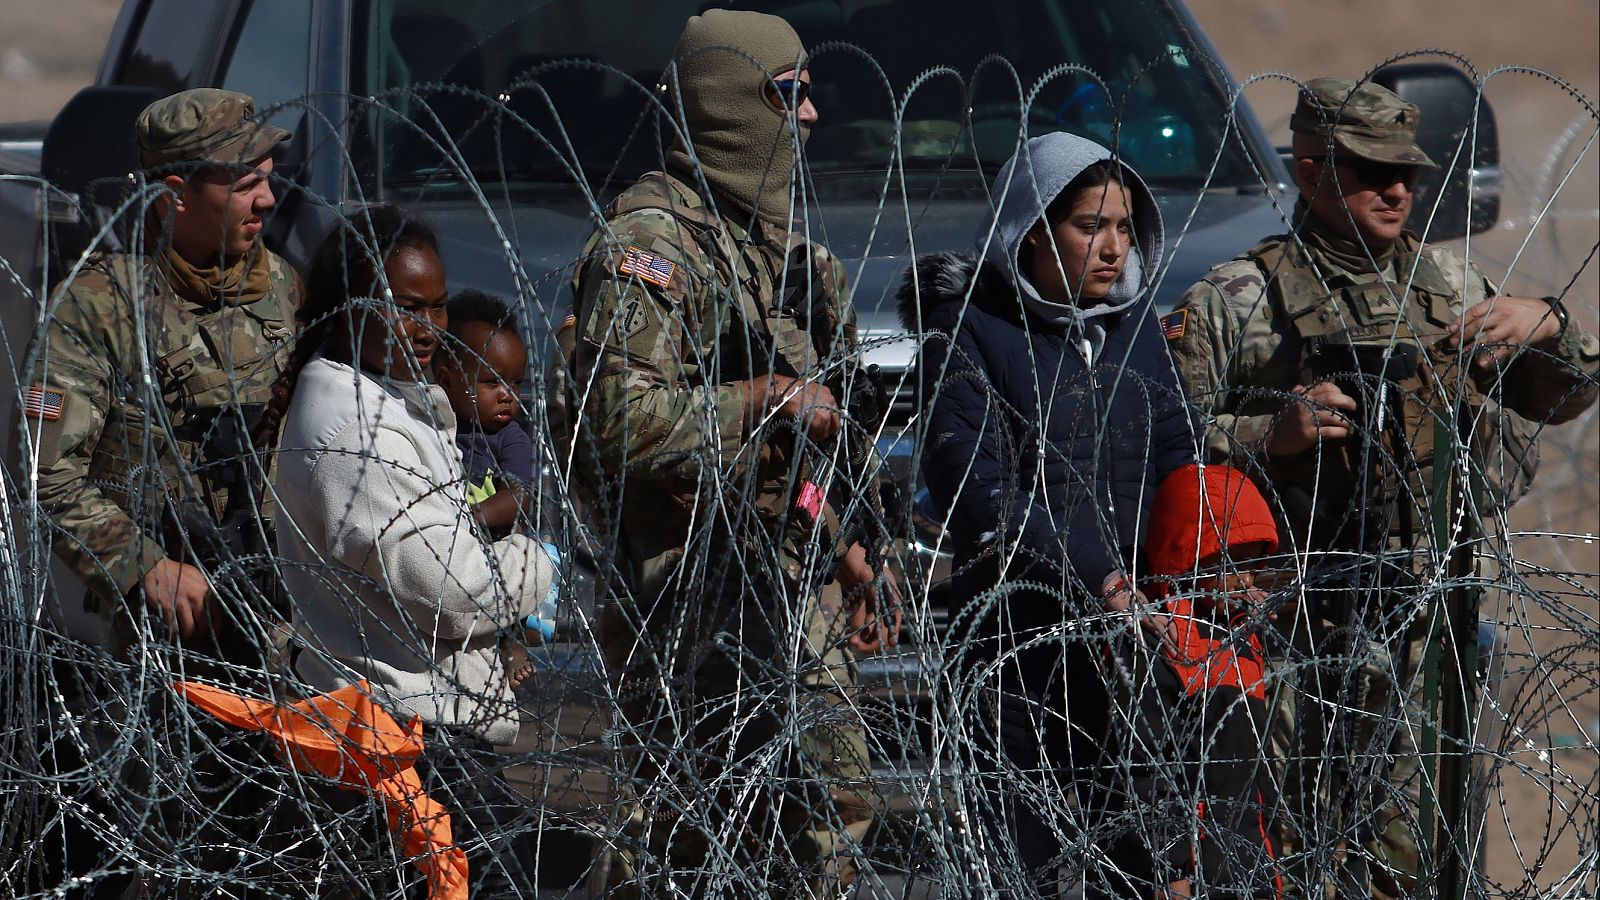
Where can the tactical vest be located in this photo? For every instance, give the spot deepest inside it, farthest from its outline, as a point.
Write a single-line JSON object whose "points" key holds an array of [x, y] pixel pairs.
{"points": [[1383, 342], [215, 368]]}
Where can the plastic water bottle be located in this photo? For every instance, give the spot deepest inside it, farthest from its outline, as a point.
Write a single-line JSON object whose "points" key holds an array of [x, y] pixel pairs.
{"points": [[543, 619]]}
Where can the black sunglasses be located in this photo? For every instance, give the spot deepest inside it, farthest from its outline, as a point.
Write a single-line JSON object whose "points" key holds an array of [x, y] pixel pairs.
{"points": [[788, 93], [1378, 175]]}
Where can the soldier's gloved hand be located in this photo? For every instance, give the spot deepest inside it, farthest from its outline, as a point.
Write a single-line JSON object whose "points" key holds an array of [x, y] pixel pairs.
{"points": [[180, 594], [1499, 326], [874, 602], [809, 404], [1313, 415]]}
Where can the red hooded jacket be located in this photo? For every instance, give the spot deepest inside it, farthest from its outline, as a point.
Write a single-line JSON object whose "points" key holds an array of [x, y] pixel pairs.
{"points": [[1199, 511]]}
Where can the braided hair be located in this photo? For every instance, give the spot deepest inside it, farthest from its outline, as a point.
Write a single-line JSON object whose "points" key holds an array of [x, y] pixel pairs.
{"points": [[348, 264]]}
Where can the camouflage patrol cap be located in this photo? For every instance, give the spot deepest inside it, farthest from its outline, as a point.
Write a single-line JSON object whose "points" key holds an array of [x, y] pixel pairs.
{"points": [[204, 125], [1364, 119]]}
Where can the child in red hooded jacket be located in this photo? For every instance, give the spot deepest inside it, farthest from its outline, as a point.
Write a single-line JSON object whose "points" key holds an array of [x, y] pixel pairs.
{"points": [[1196, 697]]}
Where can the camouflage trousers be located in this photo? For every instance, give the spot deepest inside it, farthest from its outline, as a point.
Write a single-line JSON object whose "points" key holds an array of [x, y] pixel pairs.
{"points": [[742, 760], [1347, 709]]}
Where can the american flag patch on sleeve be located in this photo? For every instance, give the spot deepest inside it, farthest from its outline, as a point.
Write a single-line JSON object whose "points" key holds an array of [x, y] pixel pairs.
{"points": [[43, 403], [1173, 323], [646, 267]]}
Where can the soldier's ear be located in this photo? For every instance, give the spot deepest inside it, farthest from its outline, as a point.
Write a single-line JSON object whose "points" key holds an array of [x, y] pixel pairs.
{"points": [[177, 184], [1307, 176]]}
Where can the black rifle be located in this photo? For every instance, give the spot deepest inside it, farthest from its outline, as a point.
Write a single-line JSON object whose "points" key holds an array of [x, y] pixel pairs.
{"points": [[238, 541], [1358, 518]]}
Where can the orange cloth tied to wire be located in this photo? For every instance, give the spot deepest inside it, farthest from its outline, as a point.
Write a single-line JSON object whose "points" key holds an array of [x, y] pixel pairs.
{"points": [[344, 736]]}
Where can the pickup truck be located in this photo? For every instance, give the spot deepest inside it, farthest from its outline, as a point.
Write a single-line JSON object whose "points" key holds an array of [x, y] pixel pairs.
{"points": [[506, 124]]}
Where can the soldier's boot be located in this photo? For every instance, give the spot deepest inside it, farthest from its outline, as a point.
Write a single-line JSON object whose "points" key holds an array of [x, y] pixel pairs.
{"points": [[650, 855]]}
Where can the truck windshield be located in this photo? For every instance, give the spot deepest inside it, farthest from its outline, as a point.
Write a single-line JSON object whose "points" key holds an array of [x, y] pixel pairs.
{"points": [[543, 90]]}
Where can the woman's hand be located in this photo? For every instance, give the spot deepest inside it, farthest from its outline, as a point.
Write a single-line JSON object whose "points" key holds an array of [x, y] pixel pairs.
{"points": [[875, 618]]}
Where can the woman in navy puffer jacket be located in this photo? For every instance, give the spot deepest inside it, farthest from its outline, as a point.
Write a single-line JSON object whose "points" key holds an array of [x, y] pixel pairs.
{"points": [[1052, 412]]}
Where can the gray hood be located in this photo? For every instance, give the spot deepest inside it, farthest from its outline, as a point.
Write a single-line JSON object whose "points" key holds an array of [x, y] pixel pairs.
{"points": [[1022, 191]]}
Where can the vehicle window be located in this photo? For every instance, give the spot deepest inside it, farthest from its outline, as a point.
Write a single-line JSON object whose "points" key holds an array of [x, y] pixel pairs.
{"points": [[559, 64], [271, 58], [175, 45]]}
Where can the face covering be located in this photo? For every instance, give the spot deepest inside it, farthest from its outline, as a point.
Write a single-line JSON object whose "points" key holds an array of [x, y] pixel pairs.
{"points": [[743, 144]]}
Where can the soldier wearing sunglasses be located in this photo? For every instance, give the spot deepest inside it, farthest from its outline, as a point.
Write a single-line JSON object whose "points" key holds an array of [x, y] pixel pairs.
{"points": [[1325, 357], [707, 331]]}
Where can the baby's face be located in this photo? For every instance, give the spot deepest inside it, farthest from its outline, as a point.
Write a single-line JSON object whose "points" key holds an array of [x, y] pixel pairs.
{"points": [[484, 379]]}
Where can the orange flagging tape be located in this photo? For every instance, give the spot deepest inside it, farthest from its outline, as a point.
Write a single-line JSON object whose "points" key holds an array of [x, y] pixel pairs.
{"points": [[346, 737]]}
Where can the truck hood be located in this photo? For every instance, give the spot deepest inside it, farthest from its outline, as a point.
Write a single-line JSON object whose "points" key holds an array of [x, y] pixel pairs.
{"points": [[535, 242]]}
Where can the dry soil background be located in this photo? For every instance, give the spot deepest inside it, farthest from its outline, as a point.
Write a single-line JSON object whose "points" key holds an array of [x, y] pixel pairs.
{"points": [[48, 48]]}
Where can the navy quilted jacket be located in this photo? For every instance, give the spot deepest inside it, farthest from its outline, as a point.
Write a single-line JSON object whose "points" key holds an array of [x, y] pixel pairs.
{"points": [[1041, 468]]}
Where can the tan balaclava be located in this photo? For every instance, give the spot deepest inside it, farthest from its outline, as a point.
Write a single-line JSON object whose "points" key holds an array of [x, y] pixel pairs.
{"points": [[720, 69]]}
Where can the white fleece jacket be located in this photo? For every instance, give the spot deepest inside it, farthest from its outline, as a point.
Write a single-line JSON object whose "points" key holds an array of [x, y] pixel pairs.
{"points": [[390, 580]]}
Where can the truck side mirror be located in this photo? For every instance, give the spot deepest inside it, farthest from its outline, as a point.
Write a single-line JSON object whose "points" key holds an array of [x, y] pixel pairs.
{"points": [[87, 155], [1451, 107]]}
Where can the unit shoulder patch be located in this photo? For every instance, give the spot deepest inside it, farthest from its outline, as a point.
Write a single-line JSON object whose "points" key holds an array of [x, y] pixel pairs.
{"points": [[633, 318]]}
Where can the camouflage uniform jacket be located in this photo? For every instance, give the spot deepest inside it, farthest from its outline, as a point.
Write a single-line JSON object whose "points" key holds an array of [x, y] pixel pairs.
{"points": [[1241, 347], [136, 382], [674, 304]]}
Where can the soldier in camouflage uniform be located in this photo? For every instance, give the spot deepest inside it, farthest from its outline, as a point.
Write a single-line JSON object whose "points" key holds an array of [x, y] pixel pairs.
{"points": [[1328, 360], [149, 376], [718, 462], [147, 381]]}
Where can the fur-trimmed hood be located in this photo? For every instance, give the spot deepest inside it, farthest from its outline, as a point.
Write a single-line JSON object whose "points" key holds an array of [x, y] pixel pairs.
{"points": [[938, 284]]}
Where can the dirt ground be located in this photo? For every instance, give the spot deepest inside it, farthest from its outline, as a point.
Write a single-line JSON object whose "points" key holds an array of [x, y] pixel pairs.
{"points": [[1539, 828]]}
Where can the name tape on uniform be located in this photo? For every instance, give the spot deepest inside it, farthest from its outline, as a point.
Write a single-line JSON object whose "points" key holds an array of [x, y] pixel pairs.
{"points": [[647, 267]]}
